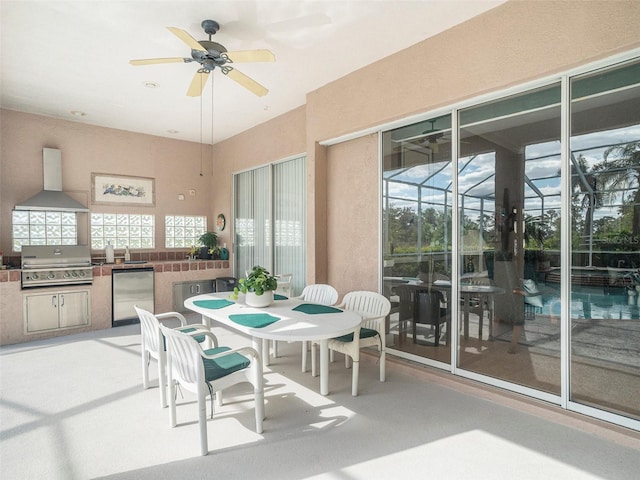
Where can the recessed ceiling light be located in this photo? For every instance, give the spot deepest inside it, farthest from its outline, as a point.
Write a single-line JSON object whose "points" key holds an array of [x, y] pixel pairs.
{"points": [[151, 84], [78, 113]]}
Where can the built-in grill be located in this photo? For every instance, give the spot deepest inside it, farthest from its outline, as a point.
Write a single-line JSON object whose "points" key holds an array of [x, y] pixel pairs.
{"points": [[56, 265]]}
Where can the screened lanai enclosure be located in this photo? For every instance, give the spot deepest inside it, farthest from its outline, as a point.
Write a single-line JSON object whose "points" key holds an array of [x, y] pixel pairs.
{"points": [[511, 240]]}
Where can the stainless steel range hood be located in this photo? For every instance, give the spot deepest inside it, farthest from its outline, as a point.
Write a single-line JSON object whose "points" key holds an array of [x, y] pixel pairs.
{"points": [[52, 198]]}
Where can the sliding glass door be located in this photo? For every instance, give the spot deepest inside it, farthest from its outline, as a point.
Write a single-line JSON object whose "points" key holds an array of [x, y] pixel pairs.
{"points": [[518, 263], [269, 226], [509, 203], [605, 241], [417, 201]]}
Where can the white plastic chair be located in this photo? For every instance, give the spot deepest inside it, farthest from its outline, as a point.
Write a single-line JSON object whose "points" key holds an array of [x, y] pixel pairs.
{"points": [[374, 309], [317, 293], [152, 344], [210, 370], [284, 284]]}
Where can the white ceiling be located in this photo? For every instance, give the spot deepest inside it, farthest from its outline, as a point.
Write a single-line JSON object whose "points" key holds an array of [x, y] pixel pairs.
{"points": [[59, 57]]}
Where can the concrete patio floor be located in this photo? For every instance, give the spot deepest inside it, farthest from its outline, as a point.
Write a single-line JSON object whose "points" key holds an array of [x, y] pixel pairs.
{"points": [[74, 408]]}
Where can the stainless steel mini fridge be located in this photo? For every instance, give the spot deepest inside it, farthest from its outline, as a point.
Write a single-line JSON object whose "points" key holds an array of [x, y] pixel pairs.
{"points": [[131, 286]]}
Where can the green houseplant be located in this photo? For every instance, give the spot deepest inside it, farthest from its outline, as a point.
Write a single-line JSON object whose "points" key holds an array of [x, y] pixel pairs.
{"points": [[258, 287], [209, 240]]}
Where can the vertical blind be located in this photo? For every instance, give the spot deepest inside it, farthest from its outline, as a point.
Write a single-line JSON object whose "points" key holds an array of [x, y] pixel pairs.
{"points": [[270, 220]]}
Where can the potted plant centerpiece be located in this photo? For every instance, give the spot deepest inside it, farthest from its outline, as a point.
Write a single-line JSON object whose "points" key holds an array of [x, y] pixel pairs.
{"points": [[258, 287], [209, 240]]}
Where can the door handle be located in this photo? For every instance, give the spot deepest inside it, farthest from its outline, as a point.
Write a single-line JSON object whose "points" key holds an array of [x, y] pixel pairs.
{"points": [[61, 301]]}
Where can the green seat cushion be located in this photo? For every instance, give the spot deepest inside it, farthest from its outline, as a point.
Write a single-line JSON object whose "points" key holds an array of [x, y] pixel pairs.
{"points": [[364, 333], [198, 338], [277, 296], [221, 367]]}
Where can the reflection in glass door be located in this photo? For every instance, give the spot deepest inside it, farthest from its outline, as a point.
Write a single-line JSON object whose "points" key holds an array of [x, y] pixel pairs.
{"points": [[417, 242], [509, 204], [605, 243], [542, 309]]}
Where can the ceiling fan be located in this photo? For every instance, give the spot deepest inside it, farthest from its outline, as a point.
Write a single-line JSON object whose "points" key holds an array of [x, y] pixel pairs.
{"points": [[211, 55], [429, 138], [433, 138]]}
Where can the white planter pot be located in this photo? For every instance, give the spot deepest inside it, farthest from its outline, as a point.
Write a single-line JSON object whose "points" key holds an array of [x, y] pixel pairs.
{"points": [[259, 301]]}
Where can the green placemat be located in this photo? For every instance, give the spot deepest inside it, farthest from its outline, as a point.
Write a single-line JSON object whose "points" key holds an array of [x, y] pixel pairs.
{"points": [[314, 308], [213, 304], [277, 296], [253, 320]]}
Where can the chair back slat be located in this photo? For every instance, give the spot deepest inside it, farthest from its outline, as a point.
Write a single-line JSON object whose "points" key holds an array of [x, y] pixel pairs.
{"points": [[186, 360], [320, 293], [370, 305], [150, 330]]}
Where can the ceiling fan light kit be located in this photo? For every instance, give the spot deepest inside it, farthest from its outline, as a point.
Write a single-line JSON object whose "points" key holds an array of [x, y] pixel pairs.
{"points": [[210, 55]]}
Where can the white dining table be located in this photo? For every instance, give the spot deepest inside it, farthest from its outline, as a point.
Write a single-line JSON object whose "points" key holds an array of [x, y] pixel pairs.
{"points": [[290, 325]]}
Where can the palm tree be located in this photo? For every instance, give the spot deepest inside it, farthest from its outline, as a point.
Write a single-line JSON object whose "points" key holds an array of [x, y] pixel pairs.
{"points": [[622, 173], [585, 183]]}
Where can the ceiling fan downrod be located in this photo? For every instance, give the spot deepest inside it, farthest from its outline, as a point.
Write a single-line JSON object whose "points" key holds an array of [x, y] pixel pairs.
{"points": [[210, 27]]}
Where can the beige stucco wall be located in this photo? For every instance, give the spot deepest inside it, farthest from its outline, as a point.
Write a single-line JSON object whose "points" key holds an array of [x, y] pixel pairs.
{"points": [[174, 164], [508, 45], [353, 209]]}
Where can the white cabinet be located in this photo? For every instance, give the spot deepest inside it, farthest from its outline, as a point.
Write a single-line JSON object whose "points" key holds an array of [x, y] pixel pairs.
{"points": [[56, 310]]}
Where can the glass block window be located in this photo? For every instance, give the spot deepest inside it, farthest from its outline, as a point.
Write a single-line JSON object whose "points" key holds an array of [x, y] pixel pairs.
{"points": [[122, 230], [31, 227], [182, 231]]}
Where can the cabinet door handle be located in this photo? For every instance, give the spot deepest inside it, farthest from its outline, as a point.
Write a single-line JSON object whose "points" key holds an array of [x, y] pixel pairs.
{"points": [[197, 288], [61, 301], [53, 301]]}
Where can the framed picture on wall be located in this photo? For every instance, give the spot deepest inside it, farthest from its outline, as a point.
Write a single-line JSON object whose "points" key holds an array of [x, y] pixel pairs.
{"points": [[108, 189]]}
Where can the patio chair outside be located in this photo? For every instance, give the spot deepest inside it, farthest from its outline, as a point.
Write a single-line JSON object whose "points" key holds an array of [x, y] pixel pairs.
{"points": [[428, 310]]}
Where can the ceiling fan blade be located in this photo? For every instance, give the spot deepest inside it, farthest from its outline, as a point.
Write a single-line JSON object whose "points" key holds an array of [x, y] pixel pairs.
{"points": [[198, 83], [247, 82], [251, 56], [151, 61], [186, 38]]}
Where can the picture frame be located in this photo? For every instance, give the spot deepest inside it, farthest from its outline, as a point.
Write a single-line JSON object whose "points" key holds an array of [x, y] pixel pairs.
{"points": [[110, 189]]}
